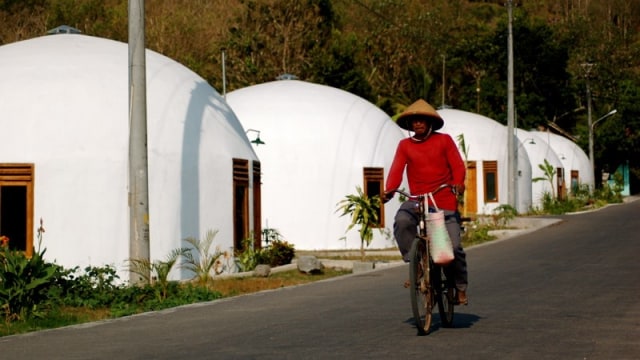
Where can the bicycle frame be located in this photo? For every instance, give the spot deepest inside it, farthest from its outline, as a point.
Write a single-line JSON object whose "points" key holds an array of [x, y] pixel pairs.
{"points": [[426, 282]]}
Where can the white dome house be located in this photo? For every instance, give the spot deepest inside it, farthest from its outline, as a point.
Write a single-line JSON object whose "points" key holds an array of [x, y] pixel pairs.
{"points": [[487, 163], [320, 143], [574, 160], [64, 122], [539, 151]]}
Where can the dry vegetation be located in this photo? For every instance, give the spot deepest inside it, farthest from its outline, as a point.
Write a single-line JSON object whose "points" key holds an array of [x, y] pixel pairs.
{"points": [[239, 286]]}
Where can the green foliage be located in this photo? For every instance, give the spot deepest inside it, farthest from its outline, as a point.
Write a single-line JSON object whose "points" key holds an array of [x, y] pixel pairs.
{"points": [[611, 194], [551, 205], [203, 262], [364, 212], [96, 287], [503, 214], [157, 272], [270, 234], [582, 198], [134, 299], [476, 233], [24, 282], [250, 256], [549, 172], [392, 52], [277, 253]]}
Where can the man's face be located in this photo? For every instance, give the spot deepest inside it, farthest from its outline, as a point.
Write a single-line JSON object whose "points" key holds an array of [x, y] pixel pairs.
{"points": [[420, 126]]}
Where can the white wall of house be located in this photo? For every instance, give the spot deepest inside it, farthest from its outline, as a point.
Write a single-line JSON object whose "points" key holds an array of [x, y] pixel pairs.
{"points": [[64, 108], [317, 140], [486, 140], [573, 158], [538, 151]]}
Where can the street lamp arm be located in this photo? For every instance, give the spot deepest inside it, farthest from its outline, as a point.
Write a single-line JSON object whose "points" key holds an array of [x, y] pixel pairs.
{"points": [[604, 117]]}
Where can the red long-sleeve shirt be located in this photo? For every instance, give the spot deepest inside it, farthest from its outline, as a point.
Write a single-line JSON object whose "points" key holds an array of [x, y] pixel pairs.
{"points": [[429, 164]]}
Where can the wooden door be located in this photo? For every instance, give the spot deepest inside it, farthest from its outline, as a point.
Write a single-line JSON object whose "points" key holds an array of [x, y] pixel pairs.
{"points": [[470, 208]]}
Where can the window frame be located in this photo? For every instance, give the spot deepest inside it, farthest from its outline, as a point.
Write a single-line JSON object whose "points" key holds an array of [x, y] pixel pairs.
{"points": [[21, 174], [373, 175], [240, 202], [490, 167]]}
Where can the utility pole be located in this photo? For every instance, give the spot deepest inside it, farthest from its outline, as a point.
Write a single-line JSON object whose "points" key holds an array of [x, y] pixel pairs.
{"points": [[511, 169], [139, 245], [587, 71]]}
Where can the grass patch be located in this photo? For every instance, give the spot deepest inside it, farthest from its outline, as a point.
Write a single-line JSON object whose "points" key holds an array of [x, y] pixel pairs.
{"points": [[229, 287], [60, 316]]}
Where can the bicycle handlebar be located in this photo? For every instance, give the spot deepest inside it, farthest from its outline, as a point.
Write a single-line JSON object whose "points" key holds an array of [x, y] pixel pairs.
{"points": [[415, 197]]}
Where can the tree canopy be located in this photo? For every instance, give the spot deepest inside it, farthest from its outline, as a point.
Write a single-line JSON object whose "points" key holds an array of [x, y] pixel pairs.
{"points": [[391, 52]]}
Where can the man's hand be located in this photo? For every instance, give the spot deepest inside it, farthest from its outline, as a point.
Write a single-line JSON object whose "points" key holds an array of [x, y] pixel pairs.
{"points": [[388, 195], [458, 189]]}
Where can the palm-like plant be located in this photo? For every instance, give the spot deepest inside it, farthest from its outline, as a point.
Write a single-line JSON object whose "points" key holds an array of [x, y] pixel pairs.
{"points": [[204, 261], [364, 212], [157, 272], [549, 172]]}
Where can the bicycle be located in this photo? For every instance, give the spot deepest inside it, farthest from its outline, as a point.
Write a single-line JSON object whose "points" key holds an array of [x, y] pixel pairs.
{"points": [[427, 281]]}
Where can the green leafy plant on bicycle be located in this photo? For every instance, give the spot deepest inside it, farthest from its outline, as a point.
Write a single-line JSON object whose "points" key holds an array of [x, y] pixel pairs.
{"points": [[364, 211]]}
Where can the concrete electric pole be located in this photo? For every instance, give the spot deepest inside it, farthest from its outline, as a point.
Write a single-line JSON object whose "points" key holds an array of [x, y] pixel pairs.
{"points": [[139, 244], [511, 186]]}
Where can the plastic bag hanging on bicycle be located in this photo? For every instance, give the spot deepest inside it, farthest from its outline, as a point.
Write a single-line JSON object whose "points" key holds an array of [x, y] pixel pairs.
{"points": [[439, 241]]}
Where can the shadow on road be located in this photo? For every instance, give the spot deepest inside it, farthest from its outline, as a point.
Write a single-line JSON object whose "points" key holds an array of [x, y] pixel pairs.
{"points": [[460, 321]]}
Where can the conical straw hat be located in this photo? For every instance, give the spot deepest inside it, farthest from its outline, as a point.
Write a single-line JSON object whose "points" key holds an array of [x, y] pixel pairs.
{"points": [[420, 109]]}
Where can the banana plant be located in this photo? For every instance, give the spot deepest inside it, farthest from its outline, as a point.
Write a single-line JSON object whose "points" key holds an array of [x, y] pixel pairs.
{"points": [[364, 211], [549, 172]]}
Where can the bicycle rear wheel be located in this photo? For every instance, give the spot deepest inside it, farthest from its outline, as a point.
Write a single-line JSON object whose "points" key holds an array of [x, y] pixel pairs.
{"points": [[420, 286], [445, 297]]}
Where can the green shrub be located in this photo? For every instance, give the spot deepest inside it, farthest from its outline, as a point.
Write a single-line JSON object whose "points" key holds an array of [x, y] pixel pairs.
{"points": [[203, 262], [476, 233], [278, 253], [157, 272], [96, 287], [503, 214], [24, 282]]}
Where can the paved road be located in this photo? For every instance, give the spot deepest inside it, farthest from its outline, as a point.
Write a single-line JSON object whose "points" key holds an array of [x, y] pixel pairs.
{"points": [[568, 291]]}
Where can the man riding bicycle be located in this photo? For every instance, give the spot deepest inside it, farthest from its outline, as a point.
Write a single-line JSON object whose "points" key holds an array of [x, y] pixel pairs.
{"points": [[430, 159]]}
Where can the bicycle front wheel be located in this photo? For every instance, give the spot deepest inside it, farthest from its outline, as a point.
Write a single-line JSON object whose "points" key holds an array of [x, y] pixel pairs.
{"points": [[445, 297], [420, 286]]}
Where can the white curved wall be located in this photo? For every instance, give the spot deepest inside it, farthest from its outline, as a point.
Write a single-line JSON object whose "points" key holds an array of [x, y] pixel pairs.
{"points": [[571, 156], [538, 151], [65, 108], [318, 140], [486, 140]]}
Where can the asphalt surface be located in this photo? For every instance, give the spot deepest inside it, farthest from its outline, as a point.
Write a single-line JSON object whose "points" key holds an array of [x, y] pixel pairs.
{"points": [[566, 291]]}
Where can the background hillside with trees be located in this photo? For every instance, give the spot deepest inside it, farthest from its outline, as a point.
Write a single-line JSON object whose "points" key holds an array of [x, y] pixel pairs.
{"points": [[449, 52]]}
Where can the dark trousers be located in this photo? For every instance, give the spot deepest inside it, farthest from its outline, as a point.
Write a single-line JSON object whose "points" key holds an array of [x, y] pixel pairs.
{"points": [[405, 230]]}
